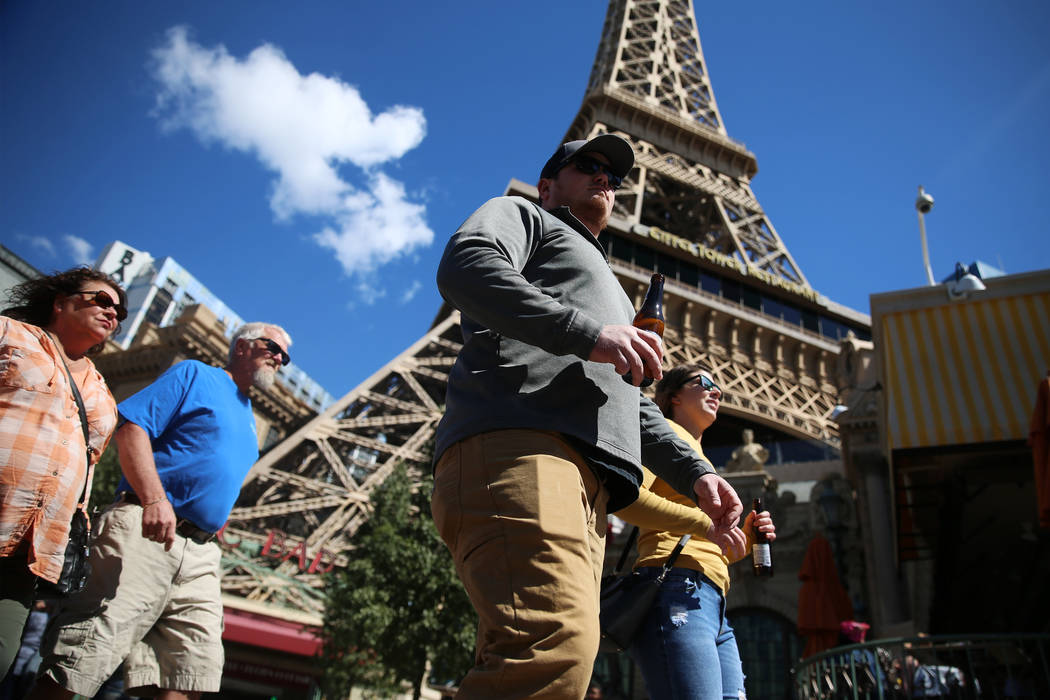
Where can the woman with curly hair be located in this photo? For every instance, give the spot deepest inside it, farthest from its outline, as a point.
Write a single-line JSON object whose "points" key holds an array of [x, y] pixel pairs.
{"points": [[685, 647], [46, 334]]}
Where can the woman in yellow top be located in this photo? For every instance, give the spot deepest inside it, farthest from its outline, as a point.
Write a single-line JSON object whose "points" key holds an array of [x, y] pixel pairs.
{"points": [[686, 648]]}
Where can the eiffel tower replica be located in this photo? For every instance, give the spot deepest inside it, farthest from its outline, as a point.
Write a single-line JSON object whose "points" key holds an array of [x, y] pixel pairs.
{"points": [[735, 301]]}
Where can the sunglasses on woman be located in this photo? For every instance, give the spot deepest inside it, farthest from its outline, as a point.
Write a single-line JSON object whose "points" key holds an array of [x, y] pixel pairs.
{"points": [[274, 349], [103, 300], [590, 166]]}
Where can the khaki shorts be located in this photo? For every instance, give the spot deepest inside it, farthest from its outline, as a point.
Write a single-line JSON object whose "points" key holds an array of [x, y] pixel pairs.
{"points": [[161, 611]]}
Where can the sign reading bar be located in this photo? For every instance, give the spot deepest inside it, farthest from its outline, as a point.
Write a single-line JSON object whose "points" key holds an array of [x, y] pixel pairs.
{"points": [[698, 250]]}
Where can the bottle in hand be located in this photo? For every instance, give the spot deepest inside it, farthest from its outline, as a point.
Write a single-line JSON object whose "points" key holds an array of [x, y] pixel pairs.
{"points": [[761, 556], [650, 317]]}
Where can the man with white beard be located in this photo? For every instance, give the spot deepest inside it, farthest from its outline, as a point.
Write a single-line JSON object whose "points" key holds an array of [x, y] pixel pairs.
{"points": [[186, 443]]}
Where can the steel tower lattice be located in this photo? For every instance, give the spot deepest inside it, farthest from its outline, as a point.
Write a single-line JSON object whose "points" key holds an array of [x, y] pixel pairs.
{"points": [[688, 198]]}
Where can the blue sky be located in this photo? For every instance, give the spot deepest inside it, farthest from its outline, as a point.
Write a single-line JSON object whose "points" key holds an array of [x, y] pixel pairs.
{"points": [[307, 161]]}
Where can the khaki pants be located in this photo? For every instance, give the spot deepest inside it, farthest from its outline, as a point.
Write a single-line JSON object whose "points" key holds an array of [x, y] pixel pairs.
{"points": [[524, 518], [160, 612]]}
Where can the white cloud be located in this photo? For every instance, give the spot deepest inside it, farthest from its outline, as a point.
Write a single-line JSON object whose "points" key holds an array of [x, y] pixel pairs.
{"points": [[40, 242], [82, 252], [375, 227], [302, 128], [368, 293], [410, 293]]}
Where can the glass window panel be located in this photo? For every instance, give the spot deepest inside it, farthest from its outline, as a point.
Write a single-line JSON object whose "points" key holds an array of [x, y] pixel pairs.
{"points": [[772, 307], [711, 283], [688, 274], [667, 266], [159, 306], [751, 297], [644, 258], [731, 290]]}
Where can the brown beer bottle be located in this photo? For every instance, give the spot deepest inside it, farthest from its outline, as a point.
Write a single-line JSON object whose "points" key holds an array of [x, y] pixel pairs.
{"points": [[761, 556], [650, 317]]}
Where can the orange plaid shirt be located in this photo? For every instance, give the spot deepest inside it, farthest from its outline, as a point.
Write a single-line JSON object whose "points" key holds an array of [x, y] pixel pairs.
{"points": [[42, 465]]}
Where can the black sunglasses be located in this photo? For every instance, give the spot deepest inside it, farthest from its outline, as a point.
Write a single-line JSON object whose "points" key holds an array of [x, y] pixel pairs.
{"points": [[275, 349], [590, 166], [103, 300], [705, 384]]}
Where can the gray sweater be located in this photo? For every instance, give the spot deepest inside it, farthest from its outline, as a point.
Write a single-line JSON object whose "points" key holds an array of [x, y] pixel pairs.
{"points": [[534, 290]]}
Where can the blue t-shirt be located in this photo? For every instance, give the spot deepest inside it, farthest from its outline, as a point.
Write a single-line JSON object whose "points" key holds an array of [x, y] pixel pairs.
{"points": [[202, 431]]}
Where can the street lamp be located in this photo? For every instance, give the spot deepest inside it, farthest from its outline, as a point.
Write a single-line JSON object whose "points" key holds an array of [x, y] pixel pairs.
{"points": [[923, 205]]}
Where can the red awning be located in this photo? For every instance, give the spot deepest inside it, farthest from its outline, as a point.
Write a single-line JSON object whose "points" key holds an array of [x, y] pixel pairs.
{"points": [[270, 633]]}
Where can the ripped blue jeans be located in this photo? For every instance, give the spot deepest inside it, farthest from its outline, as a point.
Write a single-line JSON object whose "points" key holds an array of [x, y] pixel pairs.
{"points": [[686, 648]]}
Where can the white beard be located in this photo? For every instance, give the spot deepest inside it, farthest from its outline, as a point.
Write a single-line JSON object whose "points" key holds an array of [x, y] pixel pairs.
{"points": [[264, 378]]}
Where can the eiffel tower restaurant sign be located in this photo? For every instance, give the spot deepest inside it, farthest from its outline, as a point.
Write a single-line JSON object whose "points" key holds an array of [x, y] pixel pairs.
{"points": [[702, 252], [280, 547]]}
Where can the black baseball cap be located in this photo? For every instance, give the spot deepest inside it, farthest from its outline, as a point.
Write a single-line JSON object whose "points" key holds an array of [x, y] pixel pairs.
{"points": [[616, 149]]}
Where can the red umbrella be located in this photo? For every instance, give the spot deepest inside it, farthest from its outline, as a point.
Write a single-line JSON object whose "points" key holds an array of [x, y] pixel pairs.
{"points": [[822, 601], [1039, 439]]}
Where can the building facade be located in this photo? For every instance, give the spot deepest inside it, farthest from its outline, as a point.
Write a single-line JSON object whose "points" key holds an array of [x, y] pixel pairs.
{"points": [[160, 290], [13, 270], [940, 409]]}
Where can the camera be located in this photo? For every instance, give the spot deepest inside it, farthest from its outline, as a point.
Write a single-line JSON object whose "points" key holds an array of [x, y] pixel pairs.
{"points": [[924, 203]]}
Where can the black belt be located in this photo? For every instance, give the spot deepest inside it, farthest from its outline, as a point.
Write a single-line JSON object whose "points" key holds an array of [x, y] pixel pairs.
{"points": [[183, 527]]}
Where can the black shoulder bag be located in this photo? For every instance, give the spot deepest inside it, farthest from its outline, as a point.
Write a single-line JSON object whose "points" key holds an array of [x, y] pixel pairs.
{"points": [[626, 600], [75, 567]]}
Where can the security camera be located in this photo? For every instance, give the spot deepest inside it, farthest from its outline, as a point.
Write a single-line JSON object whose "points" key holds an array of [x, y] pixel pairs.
{"points": [[925, 202]]}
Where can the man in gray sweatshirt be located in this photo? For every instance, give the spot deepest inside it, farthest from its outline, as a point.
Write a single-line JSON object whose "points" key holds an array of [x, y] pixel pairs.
{"points": [[541, 435]]}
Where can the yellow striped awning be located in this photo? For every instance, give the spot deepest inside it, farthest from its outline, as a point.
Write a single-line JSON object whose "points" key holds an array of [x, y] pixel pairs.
{"points": [[958, 372]]}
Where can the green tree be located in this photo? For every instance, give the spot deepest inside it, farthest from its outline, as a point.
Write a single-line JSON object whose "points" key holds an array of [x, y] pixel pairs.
{"points": [[398, 604], [104, 482]]}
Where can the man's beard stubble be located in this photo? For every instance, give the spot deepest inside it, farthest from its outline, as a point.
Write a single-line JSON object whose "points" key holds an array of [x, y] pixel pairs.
{"points": [[264, 378], [591, 211]]}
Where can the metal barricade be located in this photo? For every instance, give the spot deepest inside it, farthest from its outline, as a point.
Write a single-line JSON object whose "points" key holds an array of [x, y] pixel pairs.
{"points": [[956, 667]]}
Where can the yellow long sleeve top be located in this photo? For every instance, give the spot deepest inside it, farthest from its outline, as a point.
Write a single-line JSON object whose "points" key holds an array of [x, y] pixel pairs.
{"points": [[663, 515]]}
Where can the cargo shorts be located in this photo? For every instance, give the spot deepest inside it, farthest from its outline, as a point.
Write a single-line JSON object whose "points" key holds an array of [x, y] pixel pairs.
{"points": [[158, 611]]}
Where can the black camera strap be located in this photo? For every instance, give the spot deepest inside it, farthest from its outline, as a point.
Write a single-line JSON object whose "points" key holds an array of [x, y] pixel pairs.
{"points": [[82, 502], [630, 543]]}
